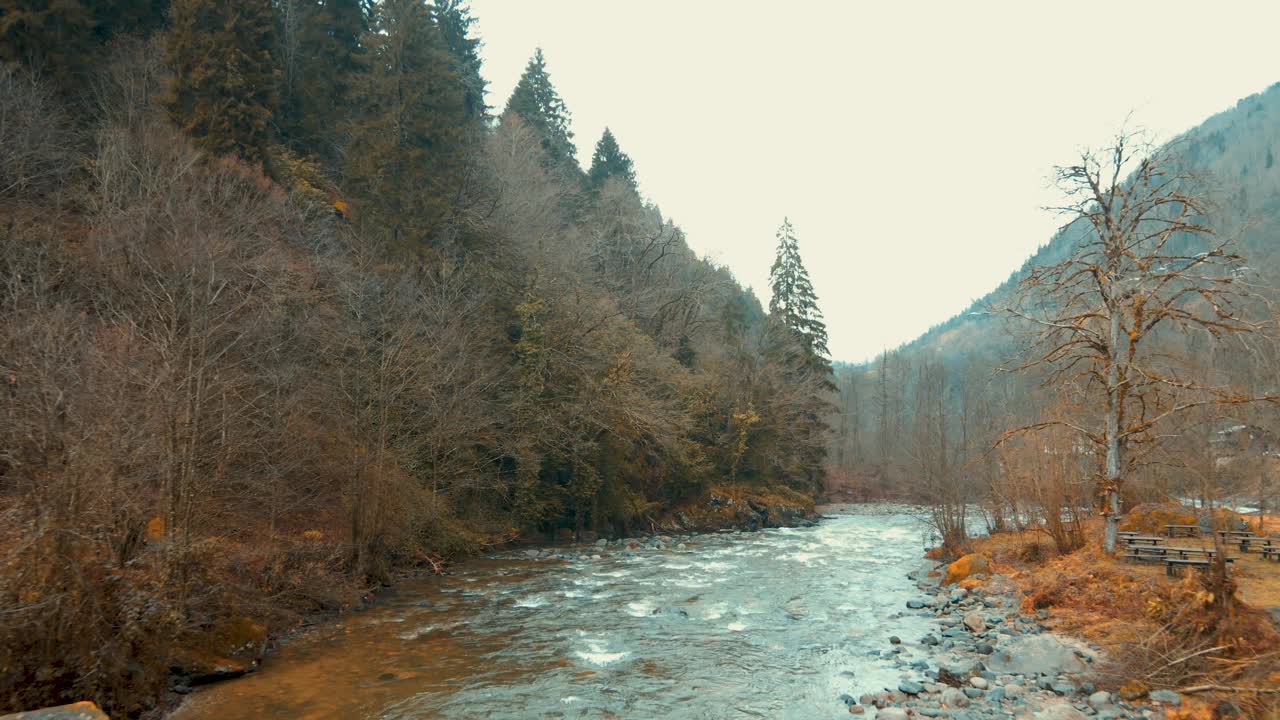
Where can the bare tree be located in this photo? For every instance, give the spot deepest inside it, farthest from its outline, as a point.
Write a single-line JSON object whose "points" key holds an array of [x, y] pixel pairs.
{"points": [[1146, 260]]}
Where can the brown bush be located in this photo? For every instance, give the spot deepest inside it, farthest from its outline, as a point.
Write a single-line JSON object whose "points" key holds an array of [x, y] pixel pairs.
{"points": [[1151, 518]]}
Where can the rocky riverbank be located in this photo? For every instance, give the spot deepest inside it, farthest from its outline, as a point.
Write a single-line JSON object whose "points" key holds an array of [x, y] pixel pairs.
{"points": [[988, 659]]}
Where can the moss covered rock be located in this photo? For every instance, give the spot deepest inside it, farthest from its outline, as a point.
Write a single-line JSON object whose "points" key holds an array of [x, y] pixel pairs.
{"points": [[230, 648], [966, 567]]}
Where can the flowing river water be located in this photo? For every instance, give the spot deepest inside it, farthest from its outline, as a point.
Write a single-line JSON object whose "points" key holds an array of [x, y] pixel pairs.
{"points": [[774, 624]]}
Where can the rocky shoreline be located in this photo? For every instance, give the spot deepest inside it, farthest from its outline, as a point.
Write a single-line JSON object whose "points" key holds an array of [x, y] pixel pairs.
{"points": [[988, 659]]}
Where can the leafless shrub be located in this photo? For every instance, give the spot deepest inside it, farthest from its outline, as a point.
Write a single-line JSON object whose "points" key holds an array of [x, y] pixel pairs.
{"points": [[37, 143]]}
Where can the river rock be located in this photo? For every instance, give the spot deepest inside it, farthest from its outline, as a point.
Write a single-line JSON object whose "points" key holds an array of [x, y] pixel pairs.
{"points": [[979, 682], [995, 695], [953, 697], [915, 604], [1168, 697], [892, 713], [84, 710], [1100, 699], [975, 622], [1059, 711], [911, 687], [1013, 690], [1044, 654]]}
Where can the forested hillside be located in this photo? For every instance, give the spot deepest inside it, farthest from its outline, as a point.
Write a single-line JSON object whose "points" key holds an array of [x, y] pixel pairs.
{"points": [[931, 419], [290, 303]]}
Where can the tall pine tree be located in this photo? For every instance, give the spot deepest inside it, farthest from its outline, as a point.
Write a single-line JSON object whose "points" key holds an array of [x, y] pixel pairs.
{"points": [[609, 161], [224, 78], [453, 17], [536, 101], [61, 38], [52, 36], [328, 66], [794, 305], [407, 151]]}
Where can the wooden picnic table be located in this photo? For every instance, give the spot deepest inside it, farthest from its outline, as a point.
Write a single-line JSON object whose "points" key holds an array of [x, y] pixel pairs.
{"points": [[1228, 534], [1264, 543], [1271, 553], [1182, 530], [1144, 539]]}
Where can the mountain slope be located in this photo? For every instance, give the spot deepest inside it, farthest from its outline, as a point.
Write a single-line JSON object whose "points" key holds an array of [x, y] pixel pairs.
{"points": [[1236, 152]]}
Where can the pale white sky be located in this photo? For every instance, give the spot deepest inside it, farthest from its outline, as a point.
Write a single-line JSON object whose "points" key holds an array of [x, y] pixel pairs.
{"points": [[909, 142]]}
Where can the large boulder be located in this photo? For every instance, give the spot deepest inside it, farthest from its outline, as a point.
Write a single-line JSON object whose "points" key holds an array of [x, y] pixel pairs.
{"points": [[228, 649], [966, 567], [975, 621], [1031, 654], [76, 711]]}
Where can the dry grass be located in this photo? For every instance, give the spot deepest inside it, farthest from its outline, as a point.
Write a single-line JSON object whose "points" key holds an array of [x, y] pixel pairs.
{"points": [[1157, 631]]}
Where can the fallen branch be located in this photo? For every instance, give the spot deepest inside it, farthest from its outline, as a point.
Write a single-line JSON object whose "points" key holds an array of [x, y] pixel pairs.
{"points": [[1227, 688], [1184, 659]]}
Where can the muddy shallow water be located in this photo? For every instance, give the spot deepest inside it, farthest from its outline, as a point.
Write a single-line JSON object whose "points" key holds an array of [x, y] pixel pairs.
{"points": [[775, 624]]}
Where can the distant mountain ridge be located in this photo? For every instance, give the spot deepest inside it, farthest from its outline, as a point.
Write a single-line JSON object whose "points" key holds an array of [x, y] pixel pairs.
{"points": [[1236, 150]]}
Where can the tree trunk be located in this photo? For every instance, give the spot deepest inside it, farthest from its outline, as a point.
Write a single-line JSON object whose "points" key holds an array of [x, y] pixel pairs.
{"points": [[1113, 436]]}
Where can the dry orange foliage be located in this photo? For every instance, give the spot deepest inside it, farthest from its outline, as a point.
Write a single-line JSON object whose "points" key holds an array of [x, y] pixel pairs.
{"points": [[1149, 624], [966, 567]]}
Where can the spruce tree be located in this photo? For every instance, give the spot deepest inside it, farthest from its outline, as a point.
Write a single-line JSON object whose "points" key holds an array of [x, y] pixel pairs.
{"points": [[536, 101], [453, 17], [795, 304], [61, 39], [52, 36], [330, 62], [609, 161], [407, 150], [224, 79]]}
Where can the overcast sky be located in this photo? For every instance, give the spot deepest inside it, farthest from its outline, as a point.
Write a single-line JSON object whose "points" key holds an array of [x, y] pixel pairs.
{"points": [[909, 142]]}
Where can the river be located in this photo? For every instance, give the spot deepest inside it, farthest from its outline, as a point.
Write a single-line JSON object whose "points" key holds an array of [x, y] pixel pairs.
{"points": [[774, 624]]}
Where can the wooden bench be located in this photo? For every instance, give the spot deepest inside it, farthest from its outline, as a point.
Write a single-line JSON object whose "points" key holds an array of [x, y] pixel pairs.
{"points": [[1182, 530], [1143, 540], [1145, 556], [1185, 553], [1171, 565], [1271, 553]]}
